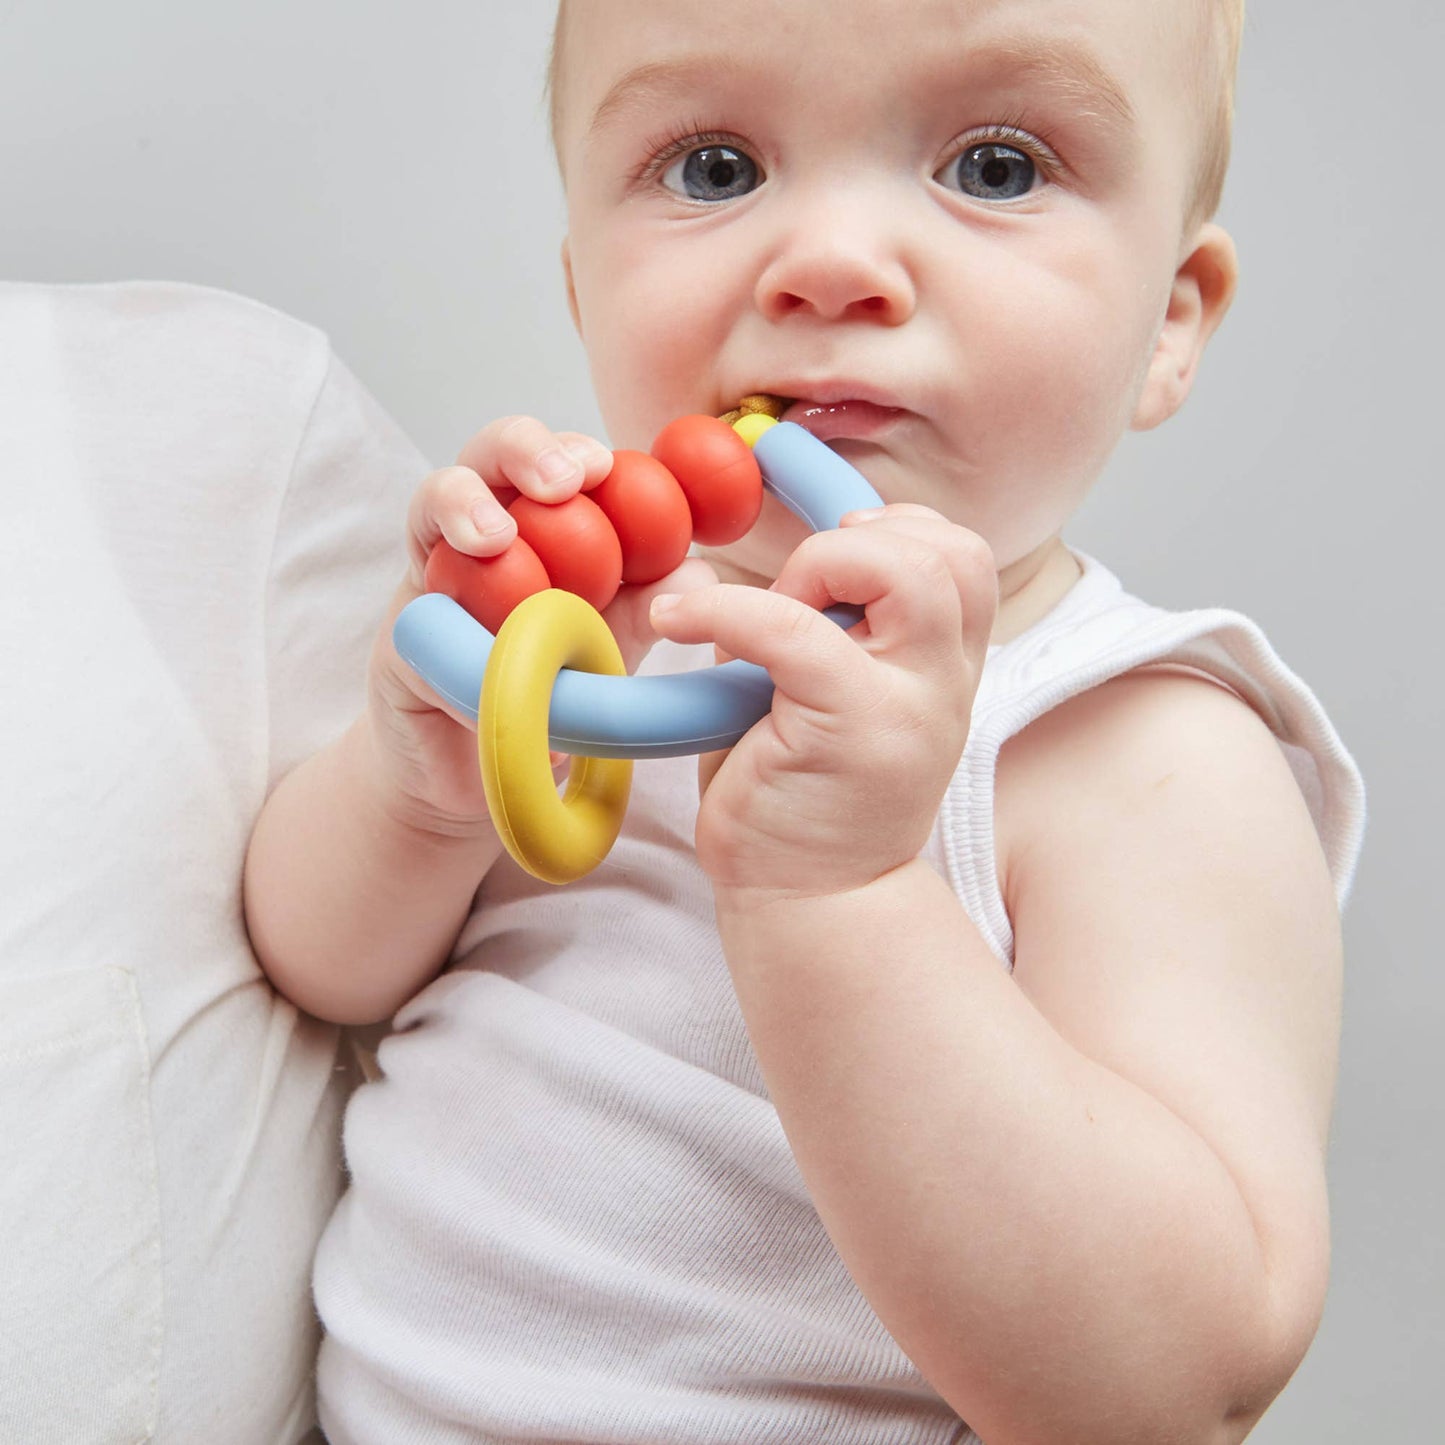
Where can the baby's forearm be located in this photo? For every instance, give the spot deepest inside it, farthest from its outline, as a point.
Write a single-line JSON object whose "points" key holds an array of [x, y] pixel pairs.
{"points": [[350, 908], [1063, 1256]]}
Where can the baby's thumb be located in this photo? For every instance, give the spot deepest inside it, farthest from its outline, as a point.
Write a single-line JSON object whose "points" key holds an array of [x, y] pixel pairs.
{"points": [[627, 615]]}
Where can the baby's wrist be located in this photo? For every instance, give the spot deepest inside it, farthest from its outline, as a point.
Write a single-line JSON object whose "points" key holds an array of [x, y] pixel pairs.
{"points": [[380, 781], [742, 905], [764, 927]]}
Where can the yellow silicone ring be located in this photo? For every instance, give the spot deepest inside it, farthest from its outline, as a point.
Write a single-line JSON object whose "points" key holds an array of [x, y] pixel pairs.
{"points": [[555, 839]]}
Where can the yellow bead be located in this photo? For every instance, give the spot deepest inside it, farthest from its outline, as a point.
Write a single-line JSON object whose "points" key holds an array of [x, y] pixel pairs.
{"points": [[751, 425]]}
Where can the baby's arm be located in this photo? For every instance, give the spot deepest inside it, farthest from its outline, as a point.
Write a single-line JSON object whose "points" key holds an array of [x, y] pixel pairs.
{"points": [[364, 861], [1087, 1199]]}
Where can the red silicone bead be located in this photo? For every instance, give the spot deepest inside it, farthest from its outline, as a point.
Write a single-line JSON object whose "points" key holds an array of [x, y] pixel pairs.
{"points": [[717, 472], [576, 543], [487, 587], [648, 511]]}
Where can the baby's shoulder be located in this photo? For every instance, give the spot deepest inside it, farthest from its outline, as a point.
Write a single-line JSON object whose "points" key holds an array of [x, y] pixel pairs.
{"points": [[1152, 758], [1136, 714]]}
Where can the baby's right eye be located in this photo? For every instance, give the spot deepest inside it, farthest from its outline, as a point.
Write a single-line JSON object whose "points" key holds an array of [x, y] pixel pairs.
{"points": [[714, 172]]}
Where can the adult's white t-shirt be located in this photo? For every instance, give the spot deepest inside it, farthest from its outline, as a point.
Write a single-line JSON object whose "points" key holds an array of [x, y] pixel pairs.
{"points": [[202, 524]]}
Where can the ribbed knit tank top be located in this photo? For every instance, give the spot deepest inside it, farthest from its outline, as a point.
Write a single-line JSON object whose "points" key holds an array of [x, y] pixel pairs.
{"points": [[573, 1215]]}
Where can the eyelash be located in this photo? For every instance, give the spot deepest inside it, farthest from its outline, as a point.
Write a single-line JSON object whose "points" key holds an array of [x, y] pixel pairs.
{"points": [[1033, 141], [661, 150]]}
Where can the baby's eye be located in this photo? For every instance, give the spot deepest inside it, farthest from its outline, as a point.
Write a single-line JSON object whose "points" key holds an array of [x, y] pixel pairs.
{"points": [[712, 173], [990, 172]]}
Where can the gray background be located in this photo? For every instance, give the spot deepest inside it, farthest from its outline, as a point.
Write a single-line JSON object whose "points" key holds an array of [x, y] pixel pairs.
{"points": [[381, 170]]}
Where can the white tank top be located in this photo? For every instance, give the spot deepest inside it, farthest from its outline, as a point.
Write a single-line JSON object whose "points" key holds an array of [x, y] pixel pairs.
{"points": [[573, 1214]]}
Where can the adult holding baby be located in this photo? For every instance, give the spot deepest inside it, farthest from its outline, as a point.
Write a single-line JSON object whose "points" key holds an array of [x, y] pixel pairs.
{"points": [[190, 477]]}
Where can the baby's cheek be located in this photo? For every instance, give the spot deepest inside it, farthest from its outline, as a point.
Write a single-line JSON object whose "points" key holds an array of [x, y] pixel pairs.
{"points": [[623, 394], [1077, 342], [1079, 398], [636, 380]]}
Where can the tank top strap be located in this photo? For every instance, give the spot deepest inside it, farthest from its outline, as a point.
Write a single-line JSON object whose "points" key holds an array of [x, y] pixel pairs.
{"points": [[1099, 631]]}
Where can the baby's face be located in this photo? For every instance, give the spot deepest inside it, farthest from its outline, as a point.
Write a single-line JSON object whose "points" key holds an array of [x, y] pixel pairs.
{"points": [[949, 228]]}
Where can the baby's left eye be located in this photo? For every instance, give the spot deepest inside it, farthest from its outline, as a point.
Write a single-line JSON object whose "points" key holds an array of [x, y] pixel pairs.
{"points": [[990, 172]]}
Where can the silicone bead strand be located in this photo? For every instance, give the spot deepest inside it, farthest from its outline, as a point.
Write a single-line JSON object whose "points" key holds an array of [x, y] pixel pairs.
{"points": [[701, 483]]}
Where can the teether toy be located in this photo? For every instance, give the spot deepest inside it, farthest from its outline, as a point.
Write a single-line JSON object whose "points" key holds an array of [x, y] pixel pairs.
{"points": [[543, 676]]}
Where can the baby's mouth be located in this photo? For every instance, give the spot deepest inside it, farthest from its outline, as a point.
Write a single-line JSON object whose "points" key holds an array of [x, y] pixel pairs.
{"points": [[759, 404], [849, 419]]}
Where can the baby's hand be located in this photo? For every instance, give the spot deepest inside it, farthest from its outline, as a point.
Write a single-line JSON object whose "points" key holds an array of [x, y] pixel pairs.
{"points": [[467, 504], [841, 781], [425, 751]]}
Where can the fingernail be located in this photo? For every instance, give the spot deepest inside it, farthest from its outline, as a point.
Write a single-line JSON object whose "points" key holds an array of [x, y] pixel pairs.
{"points": [[489, 522], [555, 465], [587, 452], [863, 514], [664, 602]]}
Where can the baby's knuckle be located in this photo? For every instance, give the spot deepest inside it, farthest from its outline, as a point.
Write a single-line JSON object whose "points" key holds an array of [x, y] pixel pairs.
{"points": [[452, 481], [791, 620], [482, 444], [520, 436], [457, 490], [975, 556], [435, 488], [931, 569], [927, 580], [815, 546], [582, 440], [970, 551]]}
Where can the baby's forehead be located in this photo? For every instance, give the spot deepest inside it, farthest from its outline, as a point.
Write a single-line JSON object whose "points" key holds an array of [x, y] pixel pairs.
{"points": [[633, 31], [1182, 51]]}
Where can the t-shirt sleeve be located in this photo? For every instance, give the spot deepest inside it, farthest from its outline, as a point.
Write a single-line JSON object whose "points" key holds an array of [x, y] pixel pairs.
{"points": [[339, 553]]}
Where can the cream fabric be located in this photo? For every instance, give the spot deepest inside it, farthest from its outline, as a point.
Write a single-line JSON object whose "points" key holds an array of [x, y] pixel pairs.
{"points": [[200, 523]]}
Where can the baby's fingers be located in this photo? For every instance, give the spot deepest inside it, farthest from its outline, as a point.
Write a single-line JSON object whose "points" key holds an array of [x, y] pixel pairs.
{"points": [[523, 454], [455, 504], [628, 615], [930, 558], [912, 607], [811, 659]]}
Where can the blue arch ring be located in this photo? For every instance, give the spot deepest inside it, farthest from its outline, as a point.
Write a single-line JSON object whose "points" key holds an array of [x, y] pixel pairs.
{"points": [[646, 717]]}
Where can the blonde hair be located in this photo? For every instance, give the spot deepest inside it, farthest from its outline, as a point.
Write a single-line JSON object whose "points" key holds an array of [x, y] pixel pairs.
{"points": [[554, 71], [1218, 51], [1215, 79]]}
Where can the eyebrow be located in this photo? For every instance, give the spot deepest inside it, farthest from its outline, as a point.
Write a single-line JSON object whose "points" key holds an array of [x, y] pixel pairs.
{"points": [[655, 79], [1072, 71]]}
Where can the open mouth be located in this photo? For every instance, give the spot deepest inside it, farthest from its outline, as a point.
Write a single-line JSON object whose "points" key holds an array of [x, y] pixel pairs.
{"points": [[836, 419], [759, 404], [850, 418]]}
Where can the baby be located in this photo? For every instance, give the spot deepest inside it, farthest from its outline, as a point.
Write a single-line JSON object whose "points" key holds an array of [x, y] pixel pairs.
{"points": [[966, 1053]]}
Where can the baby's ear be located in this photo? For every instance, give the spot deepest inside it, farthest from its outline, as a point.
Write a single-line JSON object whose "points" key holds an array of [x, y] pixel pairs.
{"points": [[571, 288], [1203, 288]]}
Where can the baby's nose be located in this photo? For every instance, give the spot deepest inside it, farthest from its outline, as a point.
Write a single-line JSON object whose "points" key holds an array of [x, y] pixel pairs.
{"points": [[836, 269]]}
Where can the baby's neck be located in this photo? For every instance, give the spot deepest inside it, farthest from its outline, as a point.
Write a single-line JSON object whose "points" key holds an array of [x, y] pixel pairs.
{"points": [[1032, 587]]}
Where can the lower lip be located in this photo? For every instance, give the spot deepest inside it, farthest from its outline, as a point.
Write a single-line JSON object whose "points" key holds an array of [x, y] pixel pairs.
{"points": [[835, 420]]}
